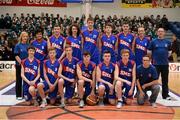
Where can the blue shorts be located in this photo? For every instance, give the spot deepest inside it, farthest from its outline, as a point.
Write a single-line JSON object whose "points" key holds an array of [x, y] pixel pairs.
{"points": [[108, 96], [26, 94], [69, 89], [127, 88], [52, 94]]}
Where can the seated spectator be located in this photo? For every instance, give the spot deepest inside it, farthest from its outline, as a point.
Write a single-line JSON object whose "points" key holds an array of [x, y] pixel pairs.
{"points": [[175, 48]]}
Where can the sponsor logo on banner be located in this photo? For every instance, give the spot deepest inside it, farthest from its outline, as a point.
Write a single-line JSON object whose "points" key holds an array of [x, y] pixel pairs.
{"points": [[174, 67], [7, 65]]}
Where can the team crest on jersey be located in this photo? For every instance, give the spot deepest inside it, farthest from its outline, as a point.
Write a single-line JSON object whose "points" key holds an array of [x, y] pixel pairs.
{"points": [[94, 36], [90, 72], [113, 41], [35, 67], [111, 70], [145, 44], [42, 47], [130, 70], [149, 75], [166, 45], [60, 42], [129, 40], [74, 66], [56, 69]]}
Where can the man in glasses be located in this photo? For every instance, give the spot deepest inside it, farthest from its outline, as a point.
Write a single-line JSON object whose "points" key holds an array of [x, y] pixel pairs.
{"points": [[147, 80]]}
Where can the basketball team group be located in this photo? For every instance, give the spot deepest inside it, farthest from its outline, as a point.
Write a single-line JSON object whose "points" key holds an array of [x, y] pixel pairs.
{"points": [[113, 68]]}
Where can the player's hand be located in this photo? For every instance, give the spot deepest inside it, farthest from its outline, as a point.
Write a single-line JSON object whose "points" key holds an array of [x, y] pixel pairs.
{"points": [[144, 86], [142, 94], [130, 92], [33, 83], [51, 87], [72, 80], [129, 83], [111, 86], [91, 83]]}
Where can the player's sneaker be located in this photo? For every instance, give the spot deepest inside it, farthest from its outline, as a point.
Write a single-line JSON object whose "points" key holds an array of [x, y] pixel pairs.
{"points": [[62, 105], [101, 103], [35, 102], [43, 104], [154, 105], [81, 103], [119, 104]]}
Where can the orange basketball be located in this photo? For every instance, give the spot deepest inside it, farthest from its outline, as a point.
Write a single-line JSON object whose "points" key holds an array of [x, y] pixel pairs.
{"points": [[91, 100]]}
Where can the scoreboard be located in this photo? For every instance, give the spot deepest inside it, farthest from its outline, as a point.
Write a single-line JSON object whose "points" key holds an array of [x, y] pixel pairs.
{"points": [[94, 1]]}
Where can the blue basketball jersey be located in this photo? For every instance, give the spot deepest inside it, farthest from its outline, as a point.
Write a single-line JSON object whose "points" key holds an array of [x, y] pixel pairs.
{"points": [[58, 43], [141, 47], [41, 49], [69, 67], [51, 70], [107, 72], [87, 71], [30, 68], [125, 71], [109, 43], [76, 46], [125, 42], [90, 44]]}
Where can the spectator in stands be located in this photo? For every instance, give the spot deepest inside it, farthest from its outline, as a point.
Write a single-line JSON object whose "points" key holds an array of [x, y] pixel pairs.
{"points": [[2, 22], [164, 22], [175, 48]]}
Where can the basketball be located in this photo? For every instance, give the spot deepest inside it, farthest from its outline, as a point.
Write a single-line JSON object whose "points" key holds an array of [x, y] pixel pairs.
{"points": [[91, 100]]}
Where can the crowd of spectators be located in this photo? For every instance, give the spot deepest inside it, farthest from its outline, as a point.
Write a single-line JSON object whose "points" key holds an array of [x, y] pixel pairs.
{"points": [[16, 24]]}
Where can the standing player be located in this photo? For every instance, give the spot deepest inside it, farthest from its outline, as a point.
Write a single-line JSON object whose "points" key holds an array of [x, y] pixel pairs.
{"points": [[105, 78], [74, 39], [86, 71], [125, 72], [125, 40], [67, 73], [30, 73], [109, 42], [57, 41], [51, 67], [41, 49], [140, 46], [90, 42]]}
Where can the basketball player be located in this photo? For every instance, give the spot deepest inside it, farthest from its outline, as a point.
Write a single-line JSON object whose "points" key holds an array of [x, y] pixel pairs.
{"points": [[67, 73], [140, 46], [86, 71], [30, 73], [105, 78], [41, 49], [90, 42], [57, 41], [125, 72], [51, 67], [125, 40], [109, 42], [74, 39]]}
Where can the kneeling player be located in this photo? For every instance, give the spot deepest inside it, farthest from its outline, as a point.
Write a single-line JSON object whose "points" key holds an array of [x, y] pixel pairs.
{"points": [[67, 72], [30, 73], [86, 74], [125, 72], [51, 67], [105, 78]]}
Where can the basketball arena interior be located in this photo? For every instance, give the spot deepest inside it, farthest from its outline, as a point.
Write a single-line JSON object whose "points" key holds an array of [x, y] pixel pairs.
{"points": [[90, 59]]}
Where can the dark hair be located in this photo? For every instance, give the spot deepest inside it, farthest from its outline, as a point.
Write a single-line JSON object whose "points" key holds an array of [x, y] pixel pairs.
{"points": [[85, 53], [106, 52], [56, 25], [109, 24], [90, 19], [39, 31], [149, 56], [31, 47], [77, 27], [124, 23]]}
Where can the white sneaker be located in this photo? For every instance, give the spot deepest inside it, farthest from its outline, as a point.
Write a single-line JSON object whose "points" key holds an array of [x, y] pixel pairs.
{"points": [[62, 105], [81, 103], [35, 103], [119, 105], [168, 98], [19, 98], [101, 103], [154, 105], [43, 105]]}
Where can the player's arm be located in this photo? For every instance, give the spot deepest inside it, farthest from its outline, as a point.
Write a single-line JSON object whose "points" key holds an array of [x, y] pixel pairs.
{"points": [[134, 45], [63, 54], [116, 76], [23, 76], [100, 44], [94, 79], [80, 76], [82, 41], [116, 45], [133, 76], [139, 86], [45, 75], [62, 76], [16, 54], [98, 76], [48, 42], [38, 75]]}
